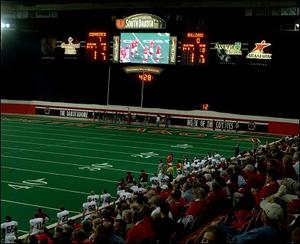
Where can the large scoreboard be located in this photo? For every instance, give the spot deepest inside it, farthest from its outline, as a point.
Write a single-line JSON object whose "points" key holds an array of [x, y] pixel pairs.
{"points": [[143, 39], [129, 48], [194, 48]]}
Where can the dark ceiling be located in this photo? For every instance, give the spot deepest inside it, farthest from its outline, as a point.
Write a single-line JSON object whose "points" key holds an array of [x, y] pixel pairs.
{"points": [[155, 3]]}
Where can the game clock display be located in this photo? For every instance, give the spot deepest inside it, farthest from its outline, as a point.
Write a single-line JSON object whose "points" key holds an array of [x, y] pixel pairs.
{"points": [[146, 77]]}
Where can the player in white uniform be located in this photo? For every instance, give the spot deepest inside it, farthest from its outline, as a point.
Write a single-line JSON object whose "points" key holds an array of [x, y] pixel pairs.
{"points": [[36, 225], [163, 179], [93, 197], [141, 189], [195, 165], [134, 188], [154, 181], [186, 166], [88, 208], [9, 230], [125, 195], [105, 198], [62, 216]]}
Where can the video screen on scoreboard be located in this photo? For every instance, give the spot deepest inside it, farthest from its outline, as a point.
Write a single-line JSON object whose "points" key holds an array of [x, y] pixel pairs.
{"points": [[145, 48]]}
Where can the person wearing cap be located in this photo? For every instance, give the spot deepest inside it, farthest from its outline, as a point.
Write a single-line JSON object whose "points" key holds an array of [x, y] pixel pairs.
{"points": [[270, 231]]}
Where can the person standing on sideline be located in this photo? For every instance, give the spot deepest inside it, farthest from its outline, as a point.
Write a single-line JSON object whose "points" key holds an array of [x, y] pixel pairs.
{"points": [[157, 122], [9, 230], [36, 225], [255, 141], [105, 198], [93, 197], [160, 166], [43, 215], [89, 208], [237, 126], [143, 178], [62, 216], [237, 150], [167, 121], [129, 117]]}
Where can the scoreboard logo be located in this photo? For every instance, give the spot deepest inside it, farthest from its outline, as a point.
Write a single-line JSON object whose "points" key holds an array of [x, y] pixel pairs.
{"points": [[230, 49], [141, 21], [120, 24], [69, 47], [258, 51]]}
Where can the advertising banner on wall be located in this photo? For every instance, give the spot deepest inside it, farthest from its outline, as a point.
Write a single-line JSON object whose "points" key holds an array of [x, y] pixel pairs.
{"points": [[260, 54], [70, 48], [166, 120], [228, 53], [141, 21]]}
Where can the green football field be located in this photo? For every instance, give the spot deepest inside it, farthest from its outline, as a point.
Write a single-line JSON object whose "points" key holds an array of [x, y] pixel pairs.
{"points": [[49, 163]]}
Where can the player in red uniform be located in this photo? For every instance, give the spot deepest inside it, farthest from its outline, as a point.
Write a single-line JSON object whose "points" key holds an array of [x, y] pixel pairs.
{"points": [[146, 54], [158, 53]]}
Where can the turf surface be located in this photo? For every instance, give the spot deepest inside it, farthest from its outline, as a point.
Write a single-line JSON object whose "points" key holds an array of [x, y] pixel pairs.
{"points": [[49, 162]]}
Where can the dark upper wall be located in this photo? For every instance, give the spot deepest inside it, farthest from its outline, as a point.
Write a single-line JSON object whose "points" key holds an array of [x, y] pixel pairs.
{"points": [[245, 90]]}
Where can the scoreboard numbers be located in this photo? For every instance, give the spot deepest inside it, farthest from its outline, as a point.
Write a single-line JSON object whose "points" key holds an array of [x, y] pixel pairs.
{"points": [[97, 47]]}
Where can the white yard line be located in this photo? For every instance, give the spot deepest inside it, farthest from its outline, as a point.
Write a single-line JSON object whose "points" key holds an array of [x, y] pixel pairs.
{"points": [[82, 156], [56, 174], [115, 151], [50, 188], [199, 143], [37, 206], [53, 188], [67, 164]]}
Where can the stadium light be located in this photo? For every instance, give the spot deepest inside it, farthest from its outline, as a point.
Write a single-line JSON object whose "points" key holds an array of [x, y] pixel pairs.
{"points": [[6, 26]]}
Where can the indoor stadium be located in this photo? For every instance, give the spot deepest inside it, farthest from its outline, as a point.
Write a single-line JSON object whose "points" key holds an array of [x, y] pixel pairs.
{"points": [[150, 121]]}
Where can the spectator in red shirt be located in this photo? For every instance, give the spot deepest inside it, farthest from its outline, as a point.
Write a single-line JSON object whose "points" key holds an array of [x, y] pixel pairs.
{"points": [[177, 203], [198, 206], [253, 180], [129, 179], [270, 188], [288, 169], [143, 230]]}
